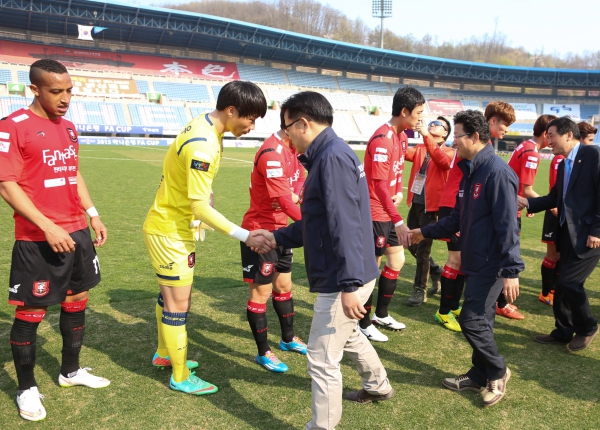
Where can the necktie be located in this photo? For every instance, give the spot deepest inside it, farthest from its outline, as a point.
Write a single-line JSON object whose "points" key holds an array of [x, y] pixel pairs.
{"points": [[565, 185]]}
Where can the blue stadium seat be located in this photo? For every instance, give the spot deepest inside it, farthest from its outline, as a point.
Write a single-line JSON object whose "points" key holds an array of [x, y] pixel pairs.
{"points": [[23, 77], [314, 80], [5, 76], [100, 113], [10, 104], [362, 85], [185, 92], [199, 110], [167, 116], [588, 111], [142, 86], [266, 75], [216, 89]]}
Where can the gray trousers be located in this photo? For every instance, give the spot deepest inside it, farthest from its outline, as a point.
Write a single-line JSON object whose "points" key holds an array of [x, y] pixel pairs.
{"points": [[331, 334]]}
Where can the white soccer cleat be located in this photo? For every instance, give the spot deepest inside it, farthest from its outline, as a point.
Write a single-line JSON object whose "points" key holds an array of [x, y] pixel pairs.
{"points": [[388, 322], [30, 405], [82, 377], [373, 334]]}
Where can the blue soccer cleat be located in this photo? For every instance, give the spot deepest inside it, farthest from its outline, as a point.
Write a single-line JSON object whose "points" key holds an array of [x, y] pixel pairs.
{"points": [[193, 385], [296, 345], [270, 362]]}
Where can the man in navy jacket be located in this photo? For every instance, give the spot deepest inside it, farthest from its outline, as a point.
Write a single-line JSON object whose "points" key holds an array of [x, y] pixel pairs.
{"points": [[486, 216], [336, 232]]}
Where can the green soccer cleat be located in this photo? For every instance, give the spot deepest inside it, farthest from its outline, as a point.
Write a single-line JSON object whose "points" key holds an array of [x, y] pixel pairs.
{"points": [[193, 385], [162, 362], [448, 321]]}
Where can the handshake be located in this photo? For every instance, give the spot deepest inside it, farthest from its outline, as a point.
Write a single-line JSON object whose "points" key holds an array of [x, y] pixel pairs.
{"points": [[261, 241], [408, 237]]}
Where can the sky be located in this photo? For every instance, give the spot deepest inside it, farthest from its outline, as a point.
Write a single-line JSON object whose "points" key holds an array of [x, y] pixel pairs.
{"points": [[554, 26]]}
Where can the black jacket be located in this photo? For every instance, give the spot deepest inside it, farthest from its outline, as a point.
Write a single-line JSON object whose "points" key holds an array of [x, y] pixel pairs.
{"points": [[486, 216], [581, 203], [336, 227]]}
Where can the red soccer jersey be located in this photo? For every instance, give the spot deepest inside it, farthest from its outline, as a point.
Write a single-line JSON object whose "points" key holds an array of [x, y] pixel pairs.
{"points": [[554, 168], [454, 177], [40, 155], [525, 160], [384, 160], [276, 173]]}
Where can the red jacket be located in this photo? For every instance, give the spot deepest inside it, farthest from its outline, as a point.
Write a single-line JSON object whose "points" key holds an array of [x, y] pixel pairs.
{"points": [[437, 170]]}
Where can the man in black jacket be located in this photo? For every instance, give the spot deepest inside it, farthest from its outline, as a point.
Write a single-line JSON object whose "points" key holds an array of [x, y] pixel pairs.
{"points": [[486, 216], [336, 232], [576, 195]]}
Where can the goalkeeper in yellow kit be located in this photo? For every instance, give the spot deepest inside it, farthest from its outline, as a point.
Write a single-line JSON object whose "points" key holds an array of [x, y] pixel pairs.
{"points": [[183, 200]]}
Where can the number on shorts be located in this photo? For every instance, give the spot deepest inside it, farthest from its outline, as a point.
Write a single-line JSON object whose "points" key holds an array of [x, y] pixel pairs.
{"points": [[96, 264]]}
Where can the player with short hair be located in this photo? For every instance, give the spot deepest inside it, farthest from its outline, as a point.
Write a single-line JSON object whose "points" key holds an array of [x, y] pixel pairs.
{"points": [[275, 183], [384, 163], [54, 260], [182, 207], [587, 132]]}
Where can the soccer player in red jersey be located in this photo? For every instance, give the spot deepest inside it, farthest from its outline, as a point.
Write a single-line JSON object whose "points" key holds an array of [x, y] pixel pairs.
{"points": [[54, 260], [275, 185], [524, 161], [384, 163]]}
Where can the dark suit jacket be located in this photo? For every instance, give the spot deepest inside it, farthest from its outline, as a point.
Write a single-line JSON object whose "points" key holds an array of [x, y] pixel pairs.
{"points": [[582, 200]]}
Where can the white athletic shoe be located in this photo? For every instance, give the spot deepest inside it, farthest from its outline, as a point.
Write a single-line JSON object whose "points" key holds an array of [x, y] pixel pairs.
{"points": [[30, 405], [82, 377], [388, 322], [373, 334]]}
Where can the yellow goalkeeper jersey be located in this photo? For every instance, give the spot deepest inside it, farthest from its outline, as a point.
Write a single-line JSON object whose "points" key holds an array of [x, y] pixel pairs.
{"points": [[189, 168]]}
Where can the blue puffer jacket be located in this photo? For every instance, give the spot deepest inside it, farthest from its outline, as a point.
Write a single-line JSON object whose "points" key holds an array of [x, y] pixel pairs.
{"points": [[486, 216], [336, 226]]}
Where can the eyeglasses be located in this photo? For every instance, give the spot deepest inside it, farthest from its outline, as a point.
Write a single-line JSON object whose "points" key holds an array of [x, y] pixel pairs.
{"points": [[456, 136], [286, 126], [438, 124]]}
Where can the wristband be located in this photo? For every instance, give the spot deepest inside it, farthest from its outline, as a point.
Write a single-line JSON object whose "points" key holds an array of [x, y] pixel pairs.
{"points": [[92, 212], [399, 223], [239, 233]]}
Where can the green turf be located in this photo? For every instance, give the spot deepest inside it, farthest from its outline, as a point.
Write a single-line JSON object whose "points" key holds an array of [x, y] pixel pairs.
{"points": [[550, 387]]}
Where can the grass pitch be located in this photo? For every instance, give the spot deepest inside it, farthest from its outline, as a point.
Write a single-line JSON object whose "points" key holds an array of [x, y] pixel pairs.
{"points": [[550, 387]]}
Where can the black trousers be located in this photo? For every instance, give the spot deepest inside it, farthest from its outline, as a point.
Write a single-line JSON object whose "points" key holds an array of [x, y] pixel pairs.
{"points": [[571, 307], [477, 323], [417, 218]]}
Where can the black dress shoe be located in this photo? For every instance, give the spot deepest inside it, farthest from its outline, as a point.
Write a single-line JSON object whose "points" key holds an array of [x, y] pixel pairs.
{"points": [[581, 342], [548, 339]]}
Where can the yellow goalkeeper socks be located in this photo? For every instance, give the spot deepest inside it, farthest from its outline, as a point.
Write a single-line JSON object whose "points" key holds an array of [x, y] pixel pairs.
{"points": [[175, 337]]}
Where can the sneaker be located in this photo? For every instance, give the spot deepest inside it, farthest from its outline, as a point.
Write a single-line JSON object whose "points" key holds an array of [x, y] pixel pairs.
{"points": [[362, 396], [296, 345], [30, 405], [547, 300], [462, 383], [82, 377], [419, 296], [373, 334], [162, 362], [270, 362], [388, 322], [435, 284], [509, 311], [448, 321], [495, 390], [456, 312], [193, 385]]}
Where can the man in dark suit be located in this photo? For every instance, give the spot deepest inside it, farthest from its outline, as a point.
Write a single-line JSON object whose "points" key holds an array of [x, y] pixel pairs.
{"points": [[576, 195]]}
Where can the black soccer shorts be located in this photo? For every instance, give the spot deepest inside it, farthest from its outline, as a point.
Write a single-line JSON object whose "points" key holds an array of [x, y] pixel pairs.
{"points": [[384, 234], [261, 268], [42, 277]]}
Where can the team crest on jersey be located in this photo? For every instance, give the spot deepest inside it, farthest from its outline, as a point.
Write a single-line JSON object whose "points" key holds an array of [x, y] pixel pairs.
{"points": [[380, 242], [203, 166], [477, 190], [301, 195], [41, 288], [267, 268], [72, 134], [192, 260]]}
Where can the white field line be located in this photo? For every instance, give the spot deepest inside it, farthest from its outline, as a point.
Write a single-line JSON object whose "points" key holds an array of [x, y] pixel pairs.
{"points": [[137, 159]]}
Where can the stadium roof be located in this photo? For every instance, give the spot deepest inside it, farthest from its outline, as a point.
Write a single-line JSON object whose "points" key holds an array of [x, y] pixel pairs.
{"points": [[181, 29]]}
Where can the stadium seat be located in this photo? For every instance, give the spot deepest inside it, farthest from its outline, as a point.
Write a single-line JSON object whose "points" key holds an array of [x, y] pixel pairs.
{"points": [[23, 77], [10, 104], [142, 86], [184, 92], [167, 116], [5, 76], [260, 74], [100, 113], [314, 80], [362, 85]]}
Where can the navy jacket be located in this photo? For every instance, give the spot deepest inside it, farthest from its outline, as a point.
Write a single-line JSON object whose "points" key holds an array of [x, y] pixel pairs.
{"points": [[581, 202], [486, 216], [336, 227]]}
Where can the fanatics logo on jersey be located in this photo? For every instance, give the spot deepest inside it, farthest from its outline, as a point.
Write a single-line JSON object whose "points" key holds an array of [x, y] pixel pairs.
{"points": [[192, 260], [41, 288], [477, 190], [380, 158], [4, 146], [203, 166], [267, 268], [275, 173], [380, 242], [72, 134]]}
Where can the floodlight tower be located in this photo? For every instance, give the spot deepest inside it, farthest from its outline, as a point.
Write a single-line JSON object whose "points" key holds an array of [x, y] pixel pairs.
{"points": [[382, 9]]}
